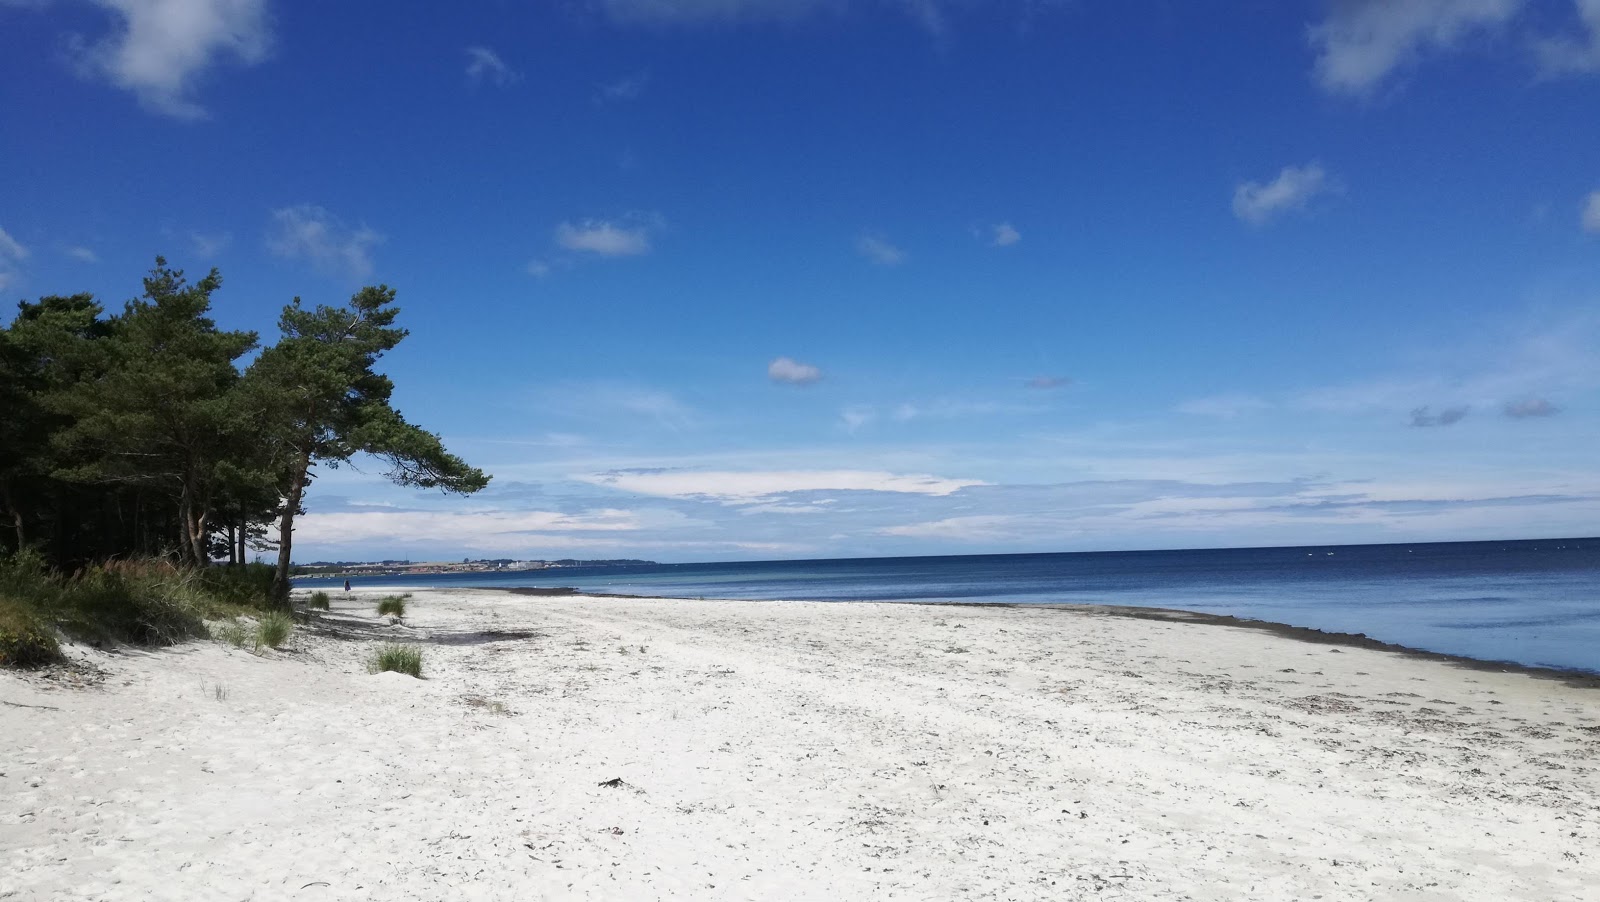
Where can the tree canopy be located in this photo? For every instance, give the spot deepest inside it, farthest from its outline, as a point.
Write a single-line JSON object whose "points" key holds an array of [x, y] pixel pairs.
{"points": [[139, 434]]}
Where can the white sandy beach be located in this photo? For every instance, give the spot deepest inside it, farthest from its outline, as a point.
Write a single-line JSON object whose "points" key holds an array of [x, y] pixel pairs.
{"points": [[792, 751]]}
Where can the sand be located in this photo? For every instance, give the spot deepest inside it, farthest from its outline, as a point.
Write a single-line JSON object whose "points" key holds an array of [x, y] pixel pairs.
{"points": [[585, 748]]}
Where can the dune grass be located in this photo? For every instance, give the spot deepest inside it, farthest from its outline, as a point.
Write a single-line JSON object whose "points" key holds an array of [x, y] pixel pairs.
{"points": [[394, 605], [406, 659], [233, 633], [318, 601], [273, 629], [26, 638]]}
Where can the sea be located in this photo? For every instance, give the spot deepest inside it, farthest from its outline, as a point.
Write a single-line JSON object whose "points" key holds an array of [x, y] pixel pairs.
{"points": [[1531, 602]]}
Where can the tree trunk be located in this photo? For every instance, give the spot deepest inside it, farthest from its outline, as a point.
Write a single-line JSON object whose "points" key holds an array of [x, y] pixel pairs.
{"points": [[16, 518], [244, 530], [198, 533], [185, 541], [297, 488]]}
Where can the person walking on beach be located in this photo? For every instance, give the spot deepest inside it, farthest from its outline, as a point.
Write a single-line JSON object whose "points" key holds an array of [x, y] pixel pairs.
{"points": [[347, 587]]}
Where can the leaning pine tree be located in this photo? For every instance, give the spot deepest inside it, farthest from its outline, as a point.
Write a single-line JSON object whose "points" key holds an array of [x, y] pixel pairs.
{"points": [[322, 402]]}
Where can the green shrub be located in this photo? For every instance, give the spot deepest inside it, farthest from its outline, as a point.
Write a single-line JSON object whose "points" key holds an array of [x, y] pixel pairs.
{"points": [[406, 659], [394, 604], [242, 584], [273, 629], [26, 638], [318, 601], [146, 602]]}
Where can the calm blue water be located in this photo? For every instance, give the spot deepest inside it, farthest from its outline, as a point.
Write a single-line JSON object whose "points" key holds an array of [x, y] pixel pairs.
{"points": [[1532, 602]]}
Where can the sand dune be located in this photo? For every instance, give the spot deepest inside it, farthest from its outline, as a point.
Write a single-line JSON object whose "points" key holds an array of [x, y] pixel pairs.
{"points": [[628, 749]]}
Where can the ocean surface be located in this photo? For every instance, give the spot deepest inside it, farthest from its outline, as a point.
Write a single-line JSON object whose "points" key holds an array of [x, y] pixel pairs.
{"points": [[1531, 602]]}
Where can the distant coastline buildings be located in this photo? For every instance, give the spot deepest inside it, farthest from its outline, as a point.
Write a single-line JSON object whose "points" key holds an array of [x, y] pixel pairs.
{"points": [[466, 565]]}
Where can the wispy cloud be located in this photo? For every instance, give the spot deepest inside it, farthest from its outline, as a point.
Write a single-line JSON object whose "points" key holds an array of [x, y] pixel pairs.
{"points": [[1591, 213], [310, 233], [609, 402], [12, 252], [1425, 417], [1363, 42], [160, 49], [484, 65], [623, 89], [1258, 203], [537, 268], [1046, 383], [210, 245], [879, 250], [82, 254], [1531, 407], [11, 248], [1003, 234], [750, 487], [630, 237], [1574, 55], [793, 372], [1225, 407], [856, 416]]}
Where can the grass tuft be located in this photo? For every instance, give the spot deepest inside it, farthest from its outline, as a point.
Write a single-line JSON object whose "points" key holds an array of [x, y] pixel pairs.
{"points": [[406, 659], [394, 604], [233, 633], [318, 601], [26, 639], [273, 629]]}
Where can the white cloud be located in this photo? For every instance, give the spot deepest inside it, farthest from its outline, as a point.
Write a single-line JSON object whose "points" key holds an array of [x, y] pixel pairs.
{"points": [[11, 247], [979, 526], [1045, 383], [84, 254], [537, 268], [786, 369], [1003, 234], [606, 238], [308, 232], [11, 252], [1591, 213], [1295, 186], [856, 416], [484, 65], [751, 487], [1564, 56], [879, 251], [160, 48], [210, 245], [1362, 42]]}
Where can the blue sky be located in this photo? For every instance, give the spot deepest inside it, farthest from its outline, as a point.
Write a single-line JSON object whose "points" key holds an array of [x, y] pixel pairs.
{"points": [[745, 279]]}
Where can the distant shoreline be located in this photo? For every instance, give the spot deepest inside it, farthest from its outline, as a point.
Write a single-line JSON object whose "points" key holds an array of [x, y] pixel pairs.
{"points": [[1576, 677]]}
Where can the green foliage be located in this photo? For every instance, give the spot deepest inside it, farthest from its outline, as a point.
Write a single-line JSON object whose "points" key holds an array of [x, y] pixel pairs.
{"points": [[136, 436], [322, 400], [406, 659], [273, 629], [146, 602], [242, 584], [26, 639], [163, 414], [393, 605], [318, 601]]}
